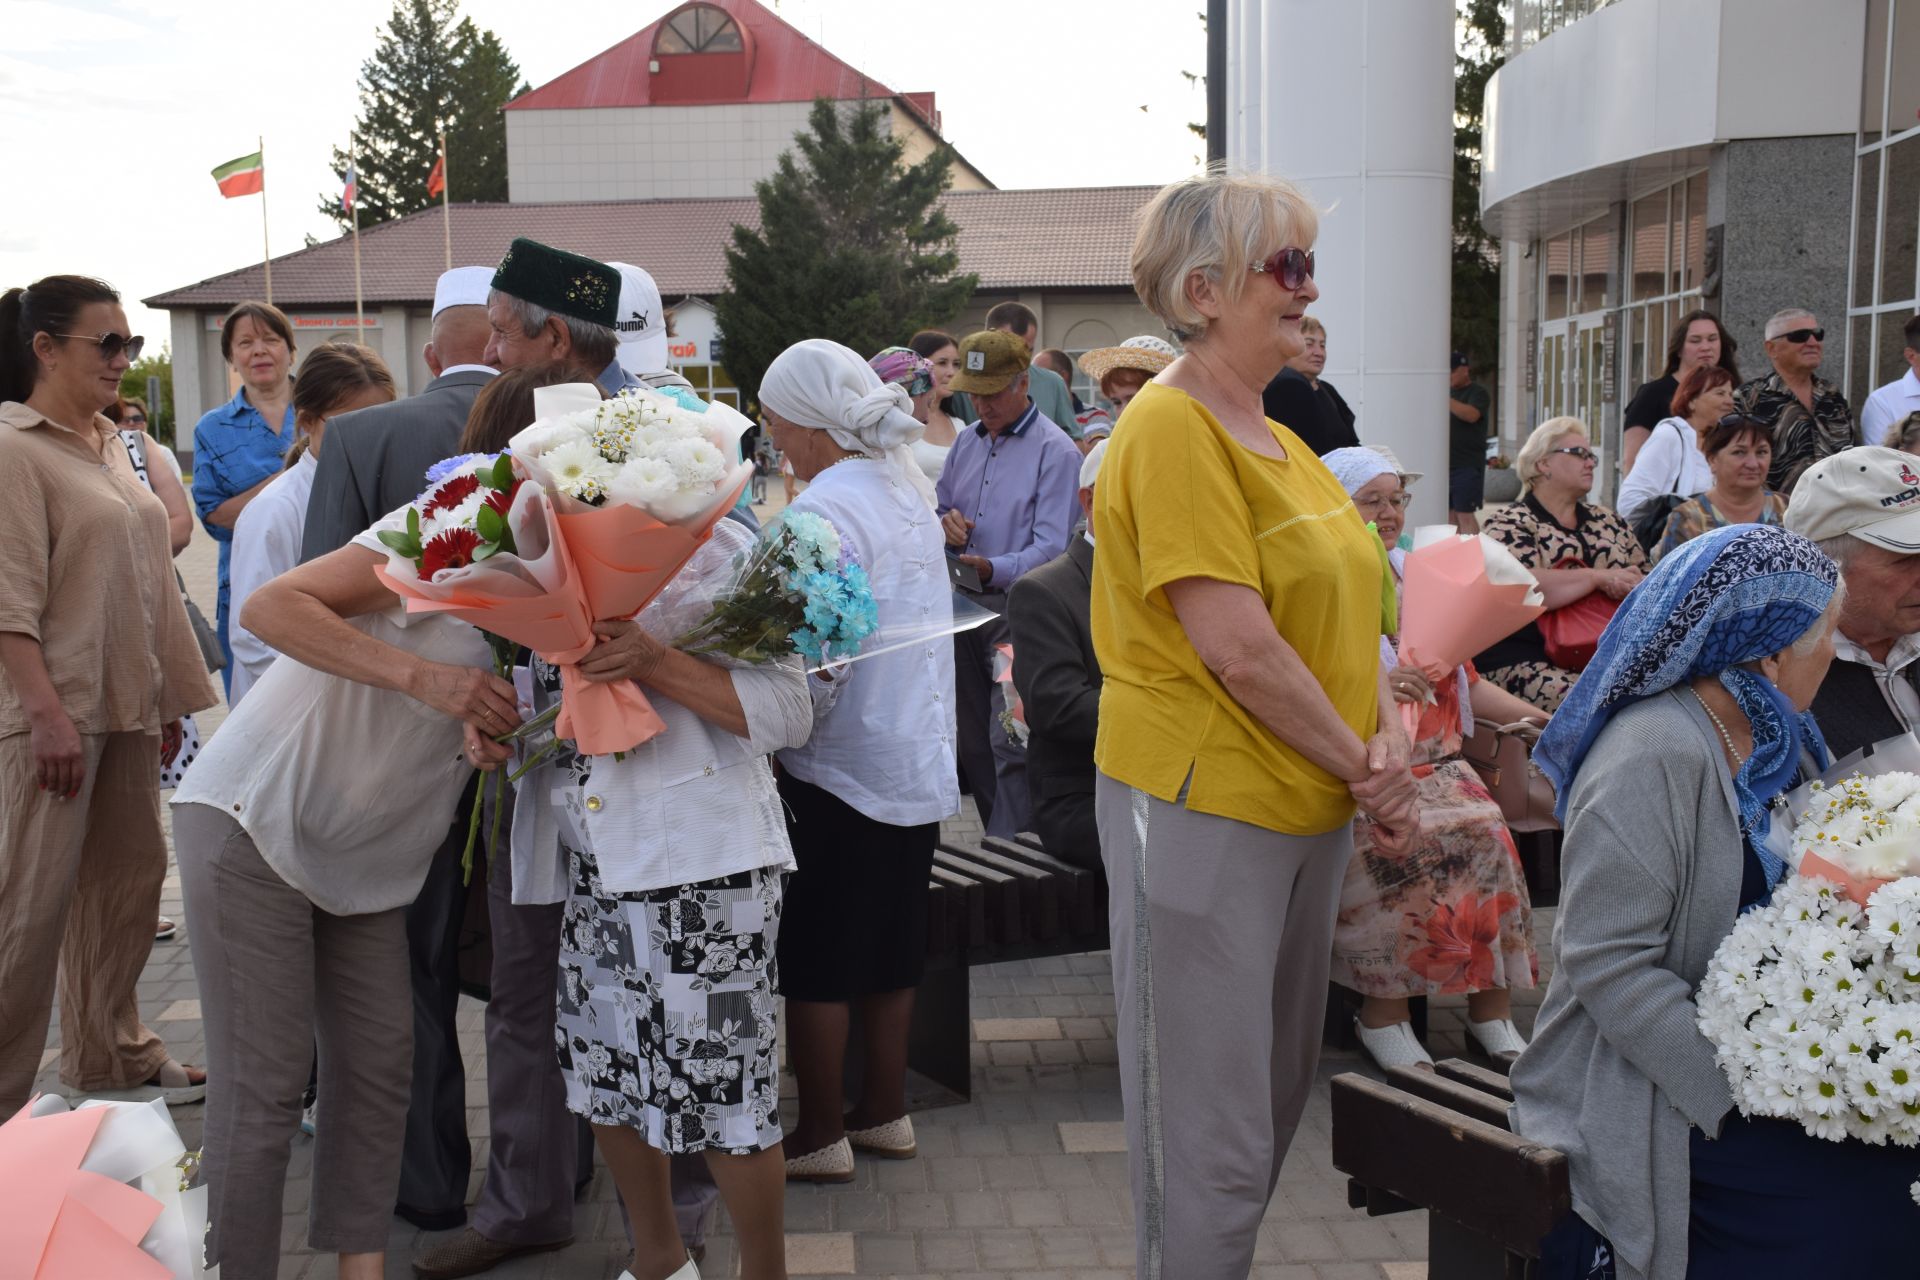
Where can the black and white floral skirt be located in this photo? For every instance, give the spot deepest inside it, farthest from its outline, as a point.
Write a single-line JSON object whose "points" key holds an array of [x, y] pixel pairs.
{"points": [[667, 1009]]}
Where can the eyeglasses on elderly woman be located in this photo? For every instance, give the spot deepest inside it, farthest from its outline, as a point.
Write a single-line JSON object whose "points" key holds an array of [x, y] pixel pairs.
{"points": [[1290, 268]]}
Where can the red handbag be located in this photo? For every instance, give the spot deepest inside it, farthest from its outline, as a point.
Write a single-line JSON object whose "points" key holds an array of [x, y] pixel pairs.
{"points": [[1572, 631]]}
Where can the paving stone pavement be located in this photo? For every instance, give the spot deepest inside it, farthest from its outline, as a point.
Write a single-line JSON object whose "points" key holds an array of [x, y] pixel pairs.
{"points": [[1028, 1179]]}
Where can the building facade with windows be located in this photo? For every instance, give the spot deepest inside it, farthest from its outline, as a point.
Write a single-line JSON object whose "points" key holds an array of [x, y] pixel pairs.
{"points": [[1643, 158]]}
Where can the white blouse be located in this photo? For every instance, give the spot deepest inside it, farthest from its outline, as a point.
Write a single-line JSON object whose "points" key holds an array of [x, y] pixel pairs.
{"points": [[266, 543], [883, 738], [347, 790], [1669, 462], [690, 804]]}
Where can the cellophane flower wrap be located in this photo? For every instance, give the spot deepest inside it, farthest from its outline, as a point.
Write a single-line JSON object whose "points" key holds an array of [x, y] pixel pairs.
{"points": [[1812, 1002], [616, 496], [796, 592]]}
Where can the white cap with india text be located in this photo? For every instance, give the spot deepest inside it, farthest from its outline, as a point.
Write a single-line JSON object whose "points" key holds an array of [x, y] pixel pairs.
{"points": [[641, 324], [1869, 492]]}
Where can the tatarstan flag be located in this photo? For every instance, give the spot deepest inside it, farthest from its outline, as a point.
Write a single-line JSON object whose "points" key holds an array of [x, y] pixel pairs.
{"points": [[243, 177]]}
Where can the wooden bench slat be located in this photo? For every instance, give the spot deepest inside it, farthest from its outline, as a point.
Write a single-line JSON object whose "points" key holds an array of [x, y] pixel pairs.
{"points": [[1475, 1076], [1000, 895], [1495, 1183], [1083, 894], [1039, 892], [972, 895], [1464, 1098]]}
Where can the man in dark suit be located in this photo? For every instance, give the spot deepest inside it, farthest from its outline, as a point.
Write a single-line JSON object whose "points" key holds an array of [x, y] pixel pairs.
{"points": [[1058, 679], [374, 463]]}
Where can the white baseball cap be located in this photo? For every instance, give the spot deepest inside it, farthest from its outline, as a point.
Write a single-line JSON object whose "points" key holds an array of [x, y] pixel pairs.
{"points": [[462, 287], [1869, 492], [642, 323]]}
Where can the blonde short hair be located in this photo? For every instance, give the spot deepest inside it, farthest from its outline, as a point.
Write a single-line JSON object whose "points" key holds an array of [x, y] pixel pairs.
{"points": [[1220, 223], [1309, 325], [1545, 439]]}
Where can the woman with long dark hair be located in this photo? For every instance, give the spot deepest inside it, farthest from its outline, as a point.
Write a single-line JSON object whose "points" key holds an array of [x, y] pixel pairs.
{"points": [[942, 351], [1698, 338], [97, 661]]}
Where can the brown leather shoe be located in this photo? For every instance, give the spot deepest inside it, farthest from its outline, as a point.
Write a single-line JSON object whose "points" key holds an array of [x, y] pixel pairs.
{"points": [[470, 1253]]}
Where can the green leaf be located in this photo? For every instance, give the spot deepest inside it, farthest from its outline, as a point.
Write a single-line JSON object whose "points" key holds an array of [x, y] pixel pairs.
{"points": [[489, 525], [406, 544], [502, 476], [413, 523], [485, 550]]}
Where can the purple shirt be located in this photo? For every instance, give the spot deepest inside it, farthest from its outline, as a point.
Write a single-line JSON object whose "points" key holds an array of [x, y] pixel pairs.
{"points": [[1021, 489]]}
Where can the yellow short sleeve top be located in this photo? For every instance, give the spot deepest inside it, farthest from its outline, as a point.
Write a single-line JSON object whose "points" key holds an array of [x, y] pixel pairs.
{"points": [[1181, 498]]}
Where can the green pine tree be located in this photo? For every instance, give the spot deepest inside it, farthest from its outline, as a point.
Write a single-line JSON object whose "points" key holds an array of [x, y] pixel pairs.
{"points": [[429, 68], [1481, 38], [852, 246]]}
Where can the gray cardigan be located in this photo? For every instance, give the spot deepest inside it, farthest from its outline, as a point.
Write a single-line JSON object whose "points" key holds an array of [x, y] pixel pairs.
{"points": [[1617, 1072]]}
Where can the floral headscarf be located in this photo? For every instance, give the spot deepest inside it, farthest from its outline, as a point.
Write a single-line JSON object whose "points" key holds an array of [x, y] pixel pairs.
{"points": [[1730, 596], [906, 367]]}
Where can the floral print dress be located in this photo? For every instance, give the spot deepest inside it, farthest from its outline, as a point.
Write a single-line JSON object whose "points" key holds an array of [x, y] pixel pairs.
{"points": [[1452, 916], [667, 997]]}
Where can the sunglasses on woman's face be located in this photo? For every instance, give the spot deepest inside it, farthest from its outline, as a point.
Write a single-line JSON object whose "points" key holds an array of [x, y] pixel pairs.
{"points": [[110, 344], [1579, 451], [134, 420], [1290, 268]]}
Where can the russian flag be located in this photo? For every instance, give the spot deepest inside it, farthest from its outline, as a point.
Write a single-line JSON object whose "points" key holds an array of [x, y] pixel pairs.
{"points": [[350, 192]]}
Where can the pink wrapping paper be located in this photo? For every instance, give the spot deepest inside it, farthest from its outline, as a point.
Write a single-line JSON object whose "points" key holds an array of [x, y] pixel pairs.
{"points": [[574, 569], [1451, 611], [59, 1221], [1858, 888]]}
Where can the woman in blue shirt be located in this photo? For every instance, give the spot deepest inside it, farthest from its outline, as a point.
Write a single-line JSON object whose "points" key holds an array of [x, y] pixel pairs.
{"points": [[239, 446]]}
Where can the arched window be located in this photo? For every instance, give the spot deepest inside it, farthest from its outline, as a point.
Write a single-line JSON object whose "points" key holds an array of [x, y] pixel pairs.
{"points": [[699, 28]]}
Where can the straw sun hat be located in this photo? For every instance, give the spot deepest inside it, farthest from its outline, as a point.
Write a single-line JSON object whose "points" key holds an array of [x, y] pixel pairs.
{"points": [[1146, 353]]}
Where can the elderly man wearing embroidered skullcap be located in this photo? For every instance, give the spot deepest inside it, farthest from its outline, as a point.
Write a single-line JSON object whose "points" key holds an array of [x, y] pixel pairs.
{"points": [[548, 306]]}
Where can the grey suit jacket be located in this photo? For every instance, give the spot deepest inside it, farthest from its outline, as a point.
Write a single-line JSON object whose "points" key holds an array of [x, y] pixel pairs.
{"points": [[375, 460]]}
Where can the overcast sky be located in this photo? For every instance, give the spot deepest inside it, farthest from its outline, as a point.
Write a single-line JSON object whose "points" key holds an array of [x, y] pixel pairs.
{"points": [[112, 114]]}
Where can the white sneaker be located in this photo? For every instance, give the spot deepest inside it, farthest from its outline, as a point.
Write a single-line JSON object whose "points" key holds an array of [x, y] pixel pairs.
{"points": [[1499, 1039], [1392, 1046]]}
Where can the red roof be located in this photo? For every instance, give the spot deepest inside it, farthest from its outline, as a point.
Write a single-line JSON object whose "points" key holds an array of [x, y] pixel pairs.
{"points": [[1058, 238], [776, 64]]}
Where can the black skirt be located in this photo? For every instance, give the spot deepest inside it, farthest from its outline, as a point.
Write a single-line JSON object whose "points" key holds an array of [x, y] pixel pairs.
{"points": [[855, 918]]}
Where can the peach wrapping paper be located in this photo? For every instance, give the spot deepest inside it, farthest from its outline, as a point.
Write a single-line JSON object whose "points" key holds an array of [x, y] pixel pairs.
{"points": [[1462, 593], [1858, 888], [573, 569]]}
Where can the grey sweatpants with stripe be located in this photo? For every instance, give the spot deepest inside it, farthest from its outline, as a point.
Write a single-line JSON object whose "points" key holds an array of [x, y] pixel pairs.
{"points": [[1222, 932]]}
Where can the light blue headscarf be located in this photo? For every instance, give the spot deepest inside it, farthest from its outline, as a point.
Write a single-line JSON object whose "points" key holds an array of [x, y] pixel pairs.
{"points": [[1730, 596]]}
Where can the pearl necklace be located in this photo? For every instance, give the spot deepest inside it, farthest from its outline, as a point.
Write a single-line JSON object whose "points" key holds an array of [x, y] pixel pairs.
{"points": [[1725, 736]]}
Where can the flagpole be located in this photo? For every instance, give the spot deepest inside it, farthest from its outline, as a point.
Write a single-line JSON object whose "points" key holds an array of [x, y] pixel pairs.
{"points": [[446, 209], [266, 250], [359, 312]]}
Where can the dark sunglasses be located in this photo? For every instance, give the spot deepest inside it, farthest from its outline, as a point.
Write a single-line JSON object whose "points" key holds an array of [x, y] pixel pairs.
{"points": [[1579, 451], [110, 344], [1290, 268], [140, 418], [1801, 335]]}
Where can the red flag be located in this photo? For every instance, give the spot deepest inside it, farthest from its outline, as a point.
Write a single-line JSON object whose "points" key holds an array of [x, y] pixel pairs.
{"points": [[437, 180]]}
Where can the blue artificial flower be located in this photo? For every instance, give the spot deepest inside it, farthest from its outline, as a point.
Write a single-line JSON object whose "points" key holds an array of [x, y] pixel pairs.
{"points": [[447, 466], [808, 645]]}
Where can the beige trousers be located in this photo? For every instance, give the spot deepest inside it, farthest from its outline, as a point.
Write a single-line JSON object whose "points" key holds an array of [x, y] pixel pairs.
{"points": [[278, 977], [79, 892]]}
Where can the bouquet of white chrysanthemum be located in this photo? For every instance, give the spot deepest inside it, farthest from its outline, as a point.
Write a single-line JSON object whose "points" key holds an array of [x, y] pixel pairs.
{"points": [[642, 449], [1860, 832]]}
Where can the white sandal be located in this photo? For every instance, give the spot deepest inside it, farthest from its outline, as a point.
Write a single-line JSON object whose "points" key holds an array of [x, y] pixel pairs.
{"points": [[891, 1141], [831, 1163], [1498, 1038], [1393, 1045], [688, 1272]]}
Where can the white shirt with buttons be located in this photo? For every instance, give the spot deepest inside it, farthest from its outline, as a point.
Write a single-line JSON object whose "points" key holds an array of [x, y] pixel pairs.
{"points": [[692, 803], [883, 737]]}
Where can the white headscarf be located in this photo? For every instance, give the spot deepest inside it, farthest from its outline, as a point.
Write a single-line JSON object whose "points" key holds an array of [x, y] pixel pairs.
{"points": [[824, 386], [1355, 467]]}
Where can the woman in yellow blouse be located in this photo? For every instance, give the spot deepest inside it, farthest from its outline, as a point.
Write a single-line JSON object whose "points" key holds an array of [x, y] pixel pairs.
{"points": [[1237, 611]]}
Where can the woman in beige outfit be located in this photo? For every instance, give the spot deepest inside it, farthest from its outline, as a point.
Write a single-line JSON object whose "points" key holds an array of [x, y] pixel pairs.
{"points": [[97, 662]]}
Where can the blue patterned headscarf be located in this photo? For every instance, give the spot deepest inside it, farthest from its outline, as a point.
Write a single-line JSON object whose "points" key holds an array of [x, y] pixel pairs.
{"points": [[1730, 596]]}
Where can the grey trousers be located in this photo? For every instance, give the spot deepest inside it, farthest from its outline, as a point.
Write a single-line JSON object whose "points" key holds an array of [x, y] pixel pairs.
{"points": [[1222, 935], [277, 976], [994, 765]]}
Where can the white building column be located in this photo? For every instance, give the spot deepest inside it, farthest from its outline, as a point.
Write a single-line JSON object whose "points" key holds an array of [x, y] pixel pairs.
{"points": [[1353, 101]]}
